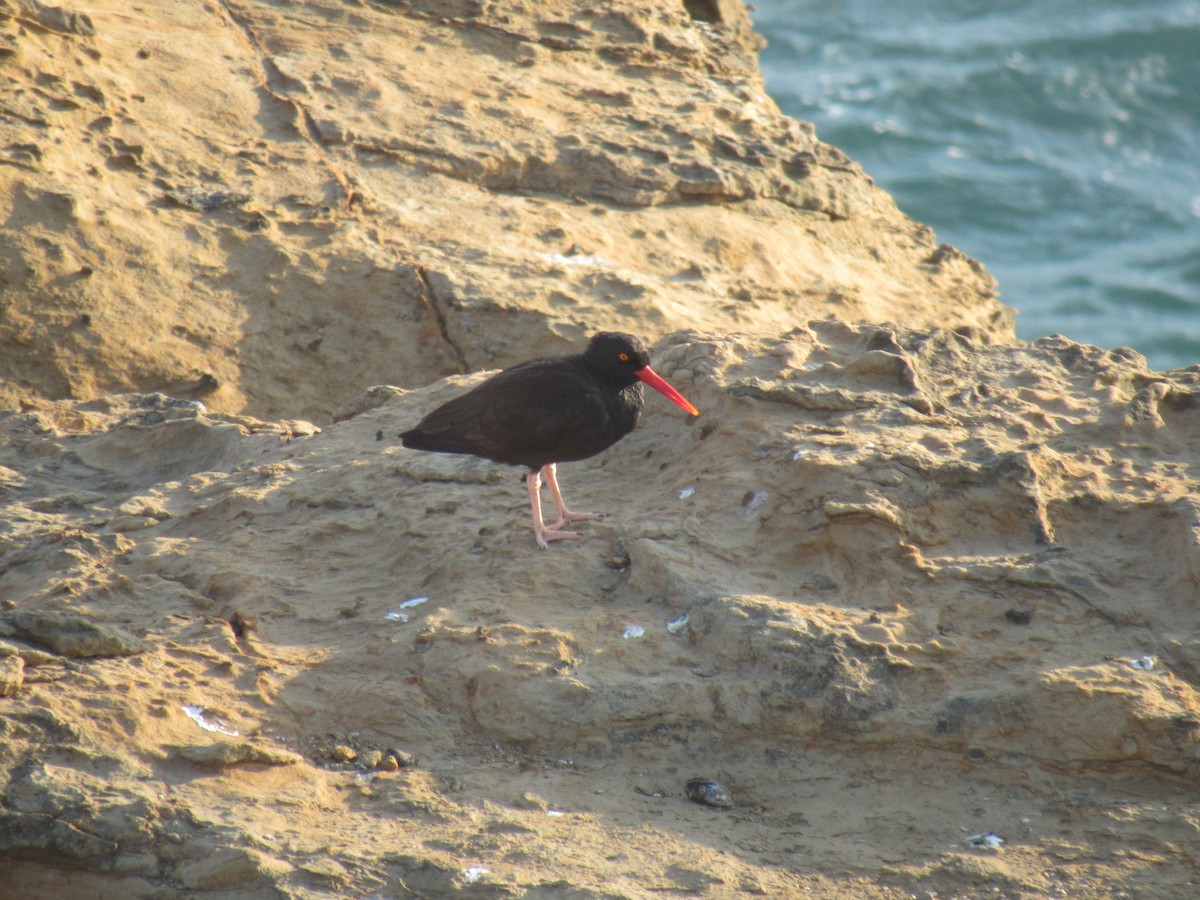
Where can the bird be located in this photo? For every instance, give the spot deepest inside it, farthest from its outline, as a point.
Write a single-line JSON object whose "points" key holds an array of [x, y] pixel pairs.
{"points": [[546, 411]]}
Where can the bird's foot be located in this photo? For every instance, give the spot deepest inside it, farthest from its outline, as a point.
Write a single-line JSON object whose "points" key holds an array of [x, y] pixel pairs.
{"points": [[551, 533], [566, 517]]}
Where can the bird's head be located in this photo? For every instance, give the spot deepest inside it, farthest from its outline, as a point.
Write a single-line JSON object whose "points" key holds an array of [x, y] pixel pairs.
{"points": [[623, 359]]}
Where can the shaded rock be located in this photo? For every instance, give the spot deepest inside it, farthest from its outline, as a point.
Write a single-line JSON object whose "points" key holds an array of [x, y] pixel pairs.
{"points": [[232, 753], [37, 832], [240, 868], [820, 675], [12, 673], [59, 19], [72, 635], [46, 804]]}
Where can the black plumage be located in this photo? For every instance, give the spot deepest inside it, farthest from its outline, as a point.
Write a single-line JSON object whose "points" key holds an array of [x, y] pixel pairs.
{"points": [[546, 411]]}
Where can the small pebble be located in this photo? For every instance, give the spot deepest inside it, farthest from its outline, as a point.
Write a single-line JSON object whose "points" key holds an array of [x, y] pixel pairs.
{"points": [[397, 759], [709, 793], [989, 841], [472, 874]]}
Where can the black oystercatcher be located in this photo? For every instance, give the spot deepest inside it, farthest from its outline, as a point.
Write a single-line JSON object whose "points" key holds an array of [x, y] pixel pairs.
{"points": [[546, 411]]}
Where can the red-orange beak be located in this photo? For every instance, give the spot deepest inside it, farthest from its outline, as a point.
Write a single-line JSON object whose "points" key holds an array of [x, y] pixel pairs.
{"points": [[652, 378]]}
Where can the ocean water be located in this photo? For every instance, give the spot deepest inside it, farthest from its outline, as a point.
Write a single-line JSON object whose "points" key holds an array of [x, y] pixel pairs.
{"points": [[1056, 142]]}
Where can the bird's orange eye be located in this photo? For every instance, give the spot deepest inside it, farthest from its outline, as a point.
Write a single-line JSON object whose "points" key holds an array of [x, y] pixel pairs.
{"points": [[623, 357]]}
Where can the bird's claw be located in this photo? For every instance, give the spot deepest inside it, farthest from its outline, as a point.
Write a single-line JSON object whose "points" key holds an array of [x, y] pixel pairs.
{"points": [[553, 534], [566, 517]]}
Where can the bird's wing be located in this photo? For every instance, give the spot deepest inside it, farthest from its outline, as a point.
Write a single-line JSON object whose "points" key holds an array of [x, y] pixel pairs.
{"points": [[518, 411]]}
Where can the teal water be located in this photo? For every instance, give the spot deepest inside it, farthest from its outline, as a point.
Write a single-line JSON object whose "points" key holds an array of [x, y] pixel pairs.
{"points": [[1056, 142]]}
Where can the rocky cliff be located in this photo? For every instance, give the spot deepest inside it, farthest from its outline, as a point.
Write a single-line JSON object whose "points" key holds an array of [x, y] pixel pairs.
{"points": [[272, 206], [921, 598]]}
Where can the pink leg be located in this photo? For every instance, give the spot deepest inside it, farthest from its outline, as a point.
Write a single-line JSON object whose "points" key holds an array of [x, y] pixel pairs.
{"points": [[542, 534], [565, 516]]}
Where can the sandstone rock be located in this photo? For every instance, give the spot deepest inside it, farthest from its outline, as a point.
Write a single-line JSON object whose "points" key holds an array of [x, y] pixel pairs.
{"points": [[227, 753], [12, 674], [522, 176], [822, 526], [915, 560], [71, 635], [234, 868]]}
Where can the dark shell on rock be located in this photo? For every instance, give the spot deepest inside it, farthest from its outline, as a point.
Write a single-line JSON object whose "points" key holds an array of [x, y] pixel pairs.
{"points": [[710, 793]]}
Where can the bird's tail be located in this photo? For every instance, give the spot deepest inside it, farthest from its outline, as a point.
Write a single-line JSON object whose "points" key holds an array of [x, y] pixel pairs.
{"points": [[416, 439]]}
